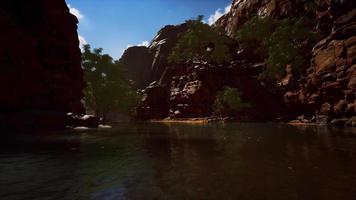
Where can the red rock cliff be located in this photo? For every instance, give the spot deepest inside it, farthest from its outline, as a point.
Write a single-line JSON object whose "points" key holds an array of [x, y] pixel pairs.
{"points": [[41, 77], [39, 57]]}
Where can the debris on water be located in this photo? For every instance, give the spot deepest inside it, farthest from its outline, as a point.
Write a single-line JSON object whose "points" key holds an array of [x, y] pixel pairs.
{"points": [[81, 128], [104, 126]]}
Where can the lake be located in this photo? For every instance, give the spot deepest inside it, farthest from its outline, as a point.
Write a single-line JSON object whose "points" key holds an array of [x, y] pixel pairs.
{"points": [[179, 161]]}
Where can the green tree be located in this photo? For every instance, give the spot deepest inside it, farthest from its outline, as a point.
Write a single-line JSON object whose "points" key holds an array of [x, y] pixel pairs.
{"points": [[107, 89], [201, 43], [253, 33], [279, 43], [229, 102], [288, 45]]}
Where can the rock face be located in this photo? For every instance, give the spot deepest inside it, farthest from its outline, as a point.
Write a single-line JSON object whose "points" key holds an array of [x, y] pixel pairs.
{"points": [[147, 64], [329, 86], [243, 10], [190, 91], [324, 94], [39, 58], [138, 65]]}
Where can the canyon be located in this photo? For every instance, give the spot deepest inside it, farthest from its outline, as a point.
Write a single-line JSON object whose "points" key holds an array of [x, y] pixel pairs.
{"points": [[42, 79], [324, 93]]}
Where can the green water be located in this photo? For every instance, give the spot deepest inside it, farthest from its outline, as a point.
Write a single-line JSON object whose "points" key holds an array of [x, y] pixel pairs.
{"points": [[156, 161]]}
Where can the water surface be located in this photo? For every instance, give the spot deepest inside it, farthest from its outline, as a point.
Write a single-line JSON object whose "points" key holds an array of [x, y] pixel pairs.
{"points": [[156, 161]]}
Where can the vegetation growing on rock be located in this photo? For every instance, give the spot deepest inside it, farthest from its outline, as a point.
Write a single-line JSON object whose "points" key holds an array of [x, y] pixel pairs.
{"points": [[201, 43], [107, 89], [287, 45], [229, 102], [254, 33], [280, 42]]}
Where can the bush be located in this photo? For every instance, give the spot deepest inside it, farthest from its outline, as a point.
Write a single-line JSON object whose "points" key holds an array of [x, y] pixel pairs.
{"points": [[253, 33], [288, 45], [229, 102], [201, 43], [280, 42]]}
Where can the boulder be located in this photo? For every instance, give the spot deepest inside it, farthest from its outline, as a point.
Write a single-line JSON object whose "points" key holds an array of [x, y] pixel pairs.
{"points": [[339, 122], [339, 108], [351, 122], [154, 103]]}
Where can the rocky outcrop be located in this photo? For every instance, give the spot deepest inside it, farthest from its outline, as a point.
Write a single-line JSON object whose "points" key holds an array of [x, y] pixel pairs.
{"points": [[147, 64], [325, 93], [191, 92], [40, 60], [243, 10], [329, 87], [154, 103], [137, 62]]}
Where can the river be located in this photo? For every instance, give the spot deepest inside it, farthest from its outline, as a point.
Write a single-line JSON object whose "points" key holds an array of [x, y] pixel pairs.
{"points": [[179, 161]]}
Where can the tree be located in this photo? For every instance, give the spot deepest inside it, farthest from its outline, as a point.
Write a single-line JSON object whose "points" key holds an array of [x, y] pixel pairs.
{"points": [[278, 42], [201, 43], [253, 33], [229, 102], [107, 88], [287, 45]]}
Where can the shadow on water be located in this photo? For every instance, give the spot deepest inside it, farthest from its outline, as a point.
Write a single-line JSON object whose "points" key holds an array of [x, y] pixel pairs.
{"points": [[176, 161]]}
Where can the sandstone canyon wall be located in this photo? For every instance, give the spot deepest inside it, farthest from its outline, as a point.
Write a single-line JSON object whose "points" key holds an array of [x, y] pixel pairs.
{"points": [[324, 93], [147, 64], [40, 59]]}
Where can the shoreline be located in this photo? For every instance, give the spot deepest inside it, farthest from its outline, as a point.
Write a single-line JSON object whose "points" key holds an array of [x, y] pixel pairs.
{"points": [[207, 120]]}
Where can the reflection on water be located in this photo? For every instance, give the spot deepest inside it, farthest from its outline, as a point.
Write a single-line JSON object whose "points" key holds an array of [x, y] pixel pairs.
{"points": [[155, 161]]}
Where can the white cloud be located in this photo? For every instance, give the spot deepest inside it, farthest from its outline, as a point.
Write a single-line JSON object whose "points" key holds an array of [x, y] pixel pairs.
{"points": [[144, 43], [218, 13], [75, 12], [82, 41]]}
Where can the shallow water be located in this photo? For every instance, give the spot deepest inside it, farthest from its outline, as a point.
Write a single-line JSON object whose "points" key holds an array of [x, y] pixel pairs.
{"points": [[156, 161]]}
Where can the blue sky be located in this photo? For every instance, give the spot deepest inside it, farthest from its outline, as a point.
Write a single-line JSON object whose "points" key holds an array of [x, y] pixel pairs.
{"points": [[116, 24]]}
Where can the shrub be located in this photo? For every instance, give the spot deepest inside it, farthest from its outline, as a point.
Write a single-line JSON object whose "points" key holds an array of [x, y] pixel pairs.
{"points": [[253, 33], [288, 45], [279, 42], [229, 102]]}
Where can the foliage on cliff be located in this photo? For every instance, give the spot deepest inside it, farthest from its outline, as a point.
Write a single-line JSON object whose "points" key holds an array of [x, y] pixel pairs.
{"points": [[201, 43], [107, 88], [229, 102], [288, 45], [284, 41], [252, 35]]}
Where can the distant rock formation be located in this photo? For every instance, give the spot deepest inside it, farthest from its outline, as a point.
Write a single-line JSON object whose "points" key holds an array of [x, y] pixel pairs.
{"points": [[137, 62], [40, 61], [147, 64]]}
